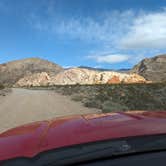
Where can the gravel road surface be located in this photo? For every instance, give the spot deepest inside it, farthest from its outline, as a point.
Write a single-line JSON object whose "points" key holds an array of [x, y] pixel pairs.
{"points": [[22, 106]]}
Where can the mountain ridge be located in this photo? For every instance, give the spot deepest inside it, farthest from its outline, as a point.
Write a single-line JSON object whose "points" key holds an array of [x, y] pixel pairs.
{"points": [[103, 69], [12, 71], [38, 72], [153, 69]]}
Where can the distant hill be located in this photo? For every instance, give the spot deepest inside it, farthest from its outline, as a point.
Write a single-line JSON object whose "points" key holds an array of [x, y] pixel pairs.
{"points": [[39, 72], [152, 69], [103, 69], [93, 68], [11, 72]]}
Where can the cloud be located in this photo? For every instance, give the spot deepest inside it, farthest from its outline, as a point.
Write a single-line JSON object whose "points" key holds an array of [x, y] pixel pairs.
{"points": [[66, 67], [118, 36], [109, 58], [148, 31], [127, 29], [105, 28], [105, 57]]}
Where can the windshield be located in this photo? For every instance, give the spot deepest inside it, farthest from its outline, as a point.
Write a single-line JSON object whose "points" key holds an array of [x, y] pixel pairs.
{"points": [[77, 71]]}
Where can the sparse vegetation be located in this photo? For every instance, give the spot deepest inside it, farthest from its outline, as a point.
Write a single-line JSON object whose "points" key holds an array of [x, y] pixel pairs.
{"points": [[117, 97], [1, 87], [4, 90]]}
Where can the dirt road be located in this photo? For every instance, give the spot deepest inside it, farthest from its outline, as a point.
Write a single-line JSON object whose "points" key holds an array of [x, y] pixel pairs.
{"points": [[22, 106]]}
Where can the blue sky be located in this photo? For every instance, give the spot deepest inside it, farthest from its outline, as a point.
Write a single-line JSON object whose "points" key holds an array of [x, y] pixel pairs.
{"points": [[98, 33]]}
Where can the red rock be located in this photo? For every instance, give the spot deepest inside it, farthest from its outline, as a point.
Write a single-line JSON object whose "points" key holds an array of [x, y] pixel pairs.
{"points": [[114, 80]]}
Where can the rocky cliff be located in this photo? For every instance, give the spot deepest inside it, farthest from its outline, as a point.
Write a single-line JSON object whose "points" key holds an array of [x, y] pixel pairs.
{"points": [[79, 76], [153, 69], [11, 72]]}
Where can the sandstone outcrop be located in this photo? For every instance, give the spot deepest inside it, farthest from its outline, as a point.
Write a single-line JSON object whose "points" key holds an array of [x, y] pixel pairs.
{"points": [[39, 79], [79, 76], [85, 76]]}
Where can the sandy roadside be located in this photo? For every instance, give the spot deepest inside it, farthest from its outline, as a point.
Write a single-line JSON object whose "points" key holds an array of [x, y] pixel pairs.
{"points": [[22, 106]]}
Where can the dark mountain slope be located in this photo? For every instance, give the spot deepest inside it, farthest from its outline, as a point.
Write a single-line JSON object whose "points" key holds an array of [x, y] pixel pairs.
{"points": [[152, 69]]}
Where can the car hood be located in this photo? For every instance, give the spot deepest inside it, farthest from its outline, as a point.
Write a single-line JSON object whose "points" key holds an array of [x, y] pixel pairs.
{"points": [[31, 139]]}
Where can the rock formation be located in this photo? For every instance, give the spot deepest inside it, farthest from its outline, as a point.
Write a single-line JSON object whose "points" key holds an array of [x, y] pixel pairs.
{"points": [[79, 76], [38, 79], [11, 72], [152, 69]]}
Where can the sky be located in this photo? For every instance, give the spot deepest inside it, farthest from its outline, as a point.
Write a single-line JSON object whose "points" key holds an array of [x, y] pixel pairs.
{"points": [[112, 34]]}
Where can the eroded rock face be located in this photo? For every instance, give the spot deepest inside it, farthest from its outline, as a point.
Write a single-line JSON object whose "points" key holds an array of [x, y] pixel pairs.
{"points": [[39, 79], [114, 80], [135, 78], [11, 72], [152, 69], [79, 76], [85, 76]]}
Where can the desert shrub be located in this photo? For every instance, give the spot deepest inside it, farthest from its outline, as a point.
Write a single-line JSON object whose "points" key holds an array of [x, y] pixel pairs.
{"points": [[1, 86], [92, 103], [110, 106], [77, 97], [119, 96]]}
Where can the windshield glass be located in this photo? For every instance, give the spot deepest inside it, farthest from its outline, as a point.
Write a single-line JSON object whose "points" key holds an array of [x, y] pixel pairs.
{"points": [[77, 71]]}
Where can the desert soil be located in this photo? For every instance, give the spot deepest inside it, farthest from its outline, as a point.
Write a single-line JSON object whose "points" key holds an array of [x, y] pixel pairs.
{"points": [[22, 106]]}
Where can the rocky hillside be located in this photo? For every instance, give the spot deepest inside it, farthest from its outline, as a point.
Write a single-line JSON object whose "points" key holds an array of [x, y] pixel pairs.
{"points": [[39, 72], [79, 76], [11, 72], [153, 69]]}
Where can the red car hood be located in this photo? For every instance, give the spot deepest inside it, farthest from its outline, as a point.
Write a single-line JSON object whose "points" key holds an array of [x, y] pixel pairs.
{"points": [[29, 140]]}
